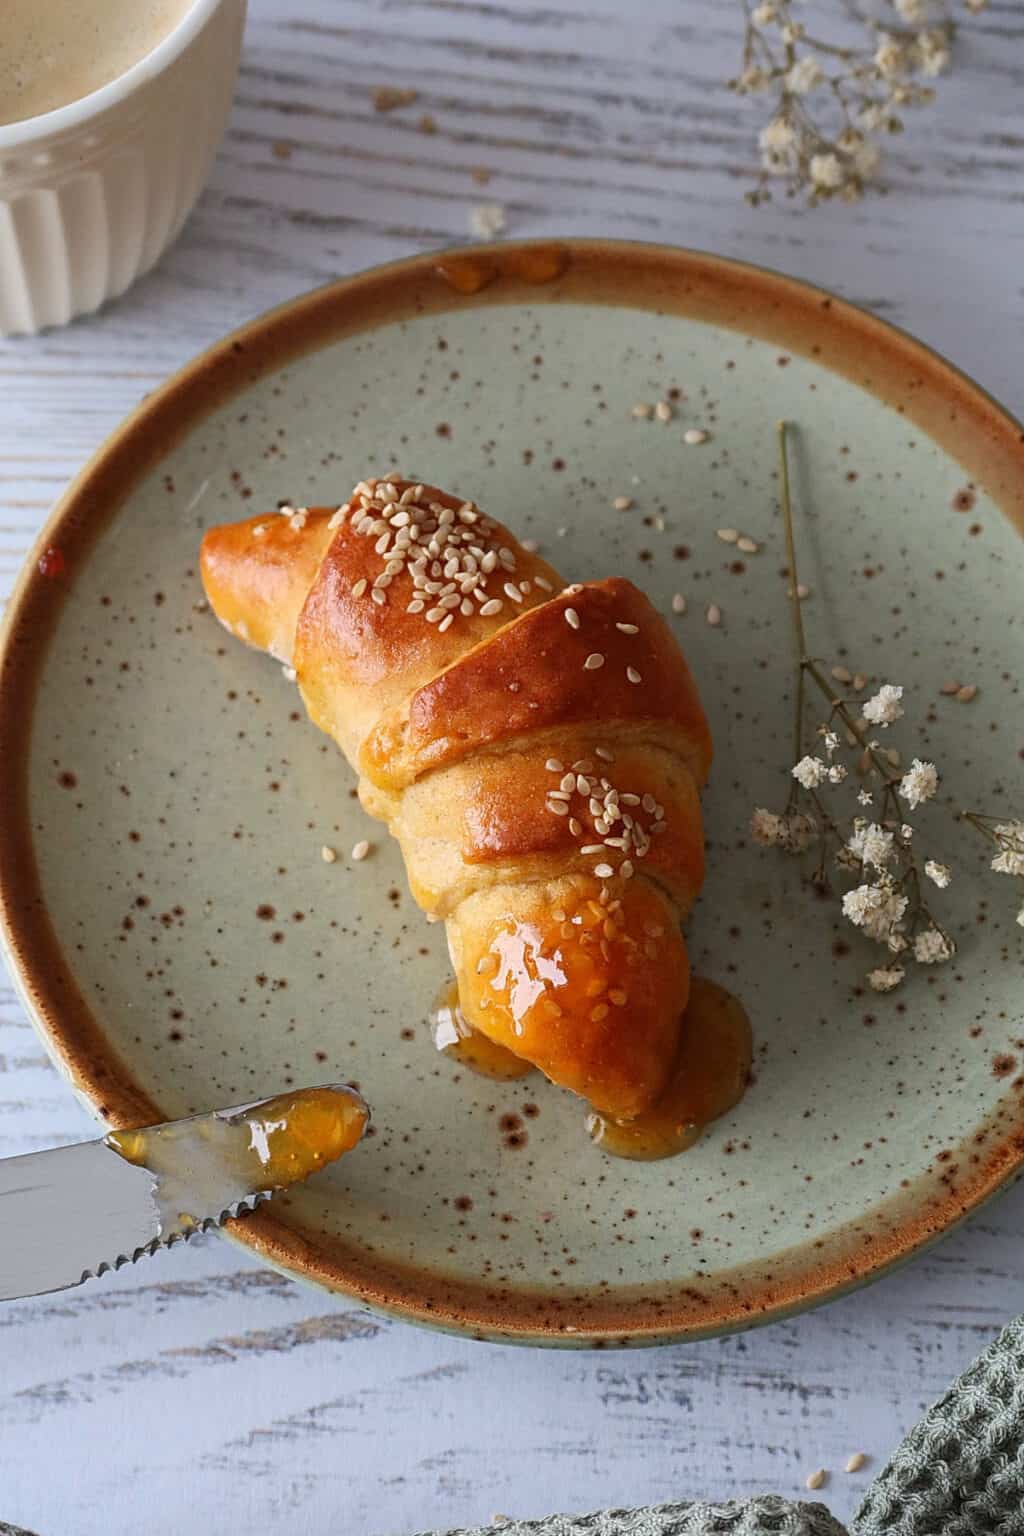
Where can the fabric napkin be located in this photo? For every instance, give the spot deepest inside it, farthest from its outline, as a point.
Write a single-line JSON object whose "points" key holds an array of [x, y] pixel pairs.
{"points": [[960, 1472]]}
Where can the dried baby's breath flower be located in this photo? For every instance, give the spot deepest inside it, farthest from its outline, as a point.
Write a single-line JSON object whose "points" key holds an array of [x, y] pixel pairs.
{"points": [[487, 220], [836, 774], [1010, 858], [871, 844], [884, 707], [919, 783], [877, 909], [884, 980], [939, 874], [810, 772], [766, 828], [931, 947], [865, 797], [838, 86]]}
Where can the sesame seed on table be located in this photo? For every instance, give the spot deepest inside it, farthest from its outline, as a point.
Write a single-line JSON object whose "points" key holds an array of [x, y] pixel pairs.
{"points": [[198, 1385]]}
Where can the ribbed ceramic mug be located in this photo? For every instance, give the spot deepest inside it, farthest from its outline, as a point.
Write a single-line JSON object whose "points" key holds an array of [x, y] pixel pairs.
{"points": [[92, 193]]}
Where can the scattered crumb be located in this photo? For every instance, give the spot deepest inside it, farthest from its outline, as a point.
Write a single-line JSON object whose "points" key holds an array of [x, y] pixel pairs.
{"points": [[360, 851], [748, 545], [281, 149], [328, 854], [842, 674], [694, 435], [481, 175], [965, 694], [816, 1480], [642, 411], [856, 1461], [387, 97], [487, 220], [622, 503], [728, 535], [663, 411], [427, 123], [678, 603], [714, 615], [290, 674]]}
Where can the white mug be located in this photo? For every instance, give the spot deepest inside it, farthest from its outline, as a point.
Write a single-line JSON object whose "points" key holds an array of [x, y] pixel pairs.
{"points": [[93, 193]]}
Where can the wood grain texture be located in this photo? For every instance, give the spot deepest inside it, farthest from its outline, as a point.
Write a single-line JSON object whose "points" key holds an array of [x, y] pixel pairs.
{"points": [[198, 1390]]}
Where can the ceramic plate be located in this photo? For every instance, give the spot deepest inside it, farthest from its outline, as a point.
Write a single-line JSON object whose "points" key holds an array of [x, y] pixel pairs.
{"points": [[180, 943]]}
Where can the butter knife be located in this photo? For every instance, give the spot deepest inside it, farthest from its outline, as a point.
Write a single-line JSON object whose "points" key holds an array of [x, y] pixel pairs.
{"points": [[78, 1211]]}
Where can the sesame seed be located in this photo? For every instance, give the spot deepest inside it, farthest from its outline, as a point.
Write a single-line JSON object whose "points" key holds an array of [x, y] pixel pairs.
{"points": [[678, 603], [694, 435], [967, 693], [633, 675], [592, 848], [583, 765], [543, 583], [572, 618], [856, 1461], [568, 783], [600, 1012], [574, 827], [297, 521], [728, 535], [513, 592], [622, 503], [259, 529], [626, 869], [860, 681], [328, 854], [628, 629], [492, 606], [289, 673], [378, 596], [593, 661], [446, 623], [553, 765], [951, 687], [359, 851], [842, 674], [563, 793], [747, 545], [604, 754], [603, 871], [557, 807], [337, 518], [530, 545], [714, 615], [642, 411], [816, 1480], [801, 591], [663, 411], [582, 784]]}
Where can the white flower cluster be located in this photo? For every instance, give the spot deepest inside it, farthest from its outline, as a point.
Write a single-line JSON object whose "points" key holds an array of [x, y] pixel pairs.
{"points": [[1009, 836], [832, 100]]}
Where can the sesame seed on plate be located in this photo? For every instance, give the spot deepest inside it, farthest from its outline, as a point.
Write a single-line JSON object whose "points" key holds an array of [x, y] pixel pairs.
{"points": [[965, 694], [714, 615], [572, 618], [642, 411], [628, 629], [859, 681], [678, 603], [622, 503], [663, 411], [728, 535], [633, 675], [951, 687], [856, 1462], [816, 1480], [842, 674], [694, 435], [328, 854], [360, 850], [801, 590], [748, 545]]}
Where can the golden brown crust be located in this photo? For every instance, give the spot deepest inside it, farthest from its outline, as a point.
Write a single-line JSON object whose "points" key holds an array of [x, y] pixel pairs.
{"points": [[534, 676], [547, 808], [257, 574]]}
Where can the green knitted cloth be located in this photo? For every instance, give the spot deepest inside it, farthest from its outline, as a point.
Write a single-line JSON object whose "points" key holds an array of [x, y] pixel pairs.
{"points": [[960, 1472]]}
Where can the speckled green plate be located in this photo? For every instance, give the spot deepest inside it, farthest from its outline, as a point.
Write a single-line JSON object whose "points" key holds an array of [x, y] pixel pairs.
{"points": [[180, 943]]}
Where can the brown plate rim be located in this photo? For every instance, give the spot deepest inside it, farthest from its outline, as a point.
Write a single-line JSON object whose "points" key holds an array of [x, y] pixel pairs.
{"points": [[911, 377]]}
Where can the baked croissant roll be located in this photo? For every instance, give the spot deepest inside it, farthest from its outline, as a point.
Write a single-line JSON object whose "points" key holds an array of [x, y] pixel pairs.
{"points": [[536, 749]]}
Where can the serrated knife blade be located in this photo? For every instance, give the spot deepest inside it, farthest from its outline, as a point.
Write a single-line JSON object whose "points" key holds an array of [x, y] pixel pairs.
{"points": [[76, 1211]]}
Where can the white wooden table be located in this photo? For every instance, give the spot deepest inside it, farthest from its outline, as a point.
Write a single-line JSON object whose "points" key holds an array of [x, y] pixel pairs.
{"points": [[198, 1391]]}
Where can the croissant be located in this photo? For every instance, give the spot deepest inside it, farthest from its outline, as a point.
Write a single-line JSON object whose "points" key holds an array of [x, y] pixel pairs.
{"points": [[536, 749]]}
